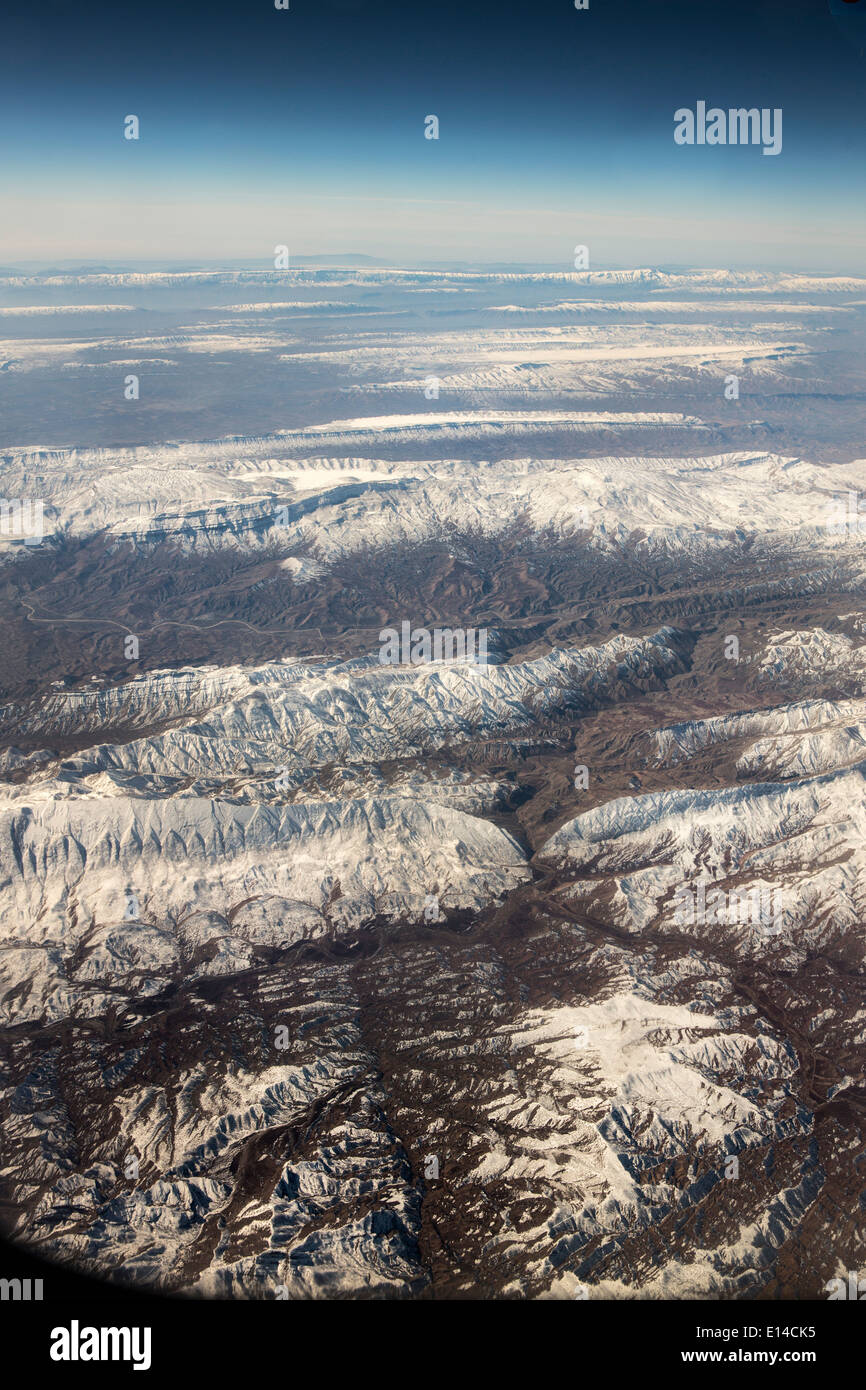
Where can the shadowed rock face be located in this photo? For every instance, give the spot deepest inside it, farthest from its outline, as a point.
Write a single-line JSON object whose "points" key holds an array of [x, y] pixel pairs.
{"points": [[323, 977]]}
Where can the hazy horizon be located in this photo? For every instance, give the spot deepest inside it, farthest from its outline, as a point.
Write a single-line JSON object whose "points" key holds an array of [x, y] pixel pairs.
{"points": [[349, 259], [306, 127]]}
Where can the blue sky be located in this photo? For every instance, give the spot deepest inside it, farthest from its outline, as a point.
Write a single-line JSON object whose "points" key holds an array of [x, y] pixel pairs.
{"points": [[306, 127]]}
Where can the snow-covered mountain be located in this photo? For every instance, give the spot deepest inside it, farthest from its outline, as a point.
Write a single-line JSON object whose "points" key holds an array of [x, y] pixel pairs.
{"points": [[276, 493], [537, 975]]}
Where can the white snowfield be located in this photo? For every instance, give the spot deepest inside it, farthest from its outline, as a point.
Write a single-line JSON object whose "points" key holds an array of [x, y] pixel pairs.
{"points": [[712, 828], [474, 419], [650, 1064], [191, 826], [74, 865], [541, 364], [527, 357], [76, 354], [413, 355], [280, 491], [274, 306], [805, 753], [771, 864], [795, 656], [797, 848], [796, 740], [697, 308], [246, 722], [786, 740], [621, 1085], [196, 1125], [682, 741], [35, 310], [718, 280], [562, 370]]}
